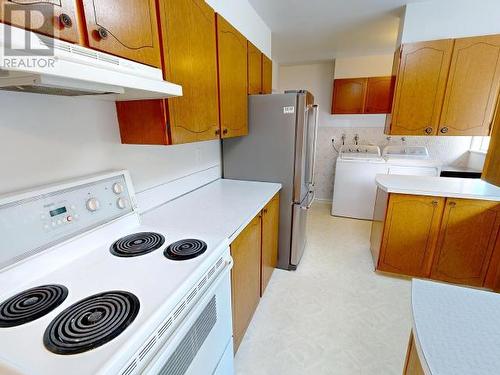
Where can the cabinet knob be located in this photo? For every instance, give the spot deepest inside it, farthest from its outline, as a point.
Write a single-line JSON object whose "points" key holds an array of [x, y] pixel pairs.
{"points": [[65, 20], [444, 130], [434, 203], [265, 210], [428, 130], [217, 132], [103, 33], [225, 131], [453, 204]]}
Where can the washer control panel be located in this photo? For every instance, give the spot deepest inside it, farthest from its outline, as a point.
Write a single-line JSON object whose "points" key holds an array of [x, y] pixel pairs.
{"points": [[45, 219]]}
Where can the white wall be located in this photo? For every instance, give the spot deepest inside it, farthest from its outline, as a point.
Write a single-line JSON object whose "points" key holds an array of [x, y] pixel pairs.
{"points": [[441, 19], [44, 139], [364, 66]]}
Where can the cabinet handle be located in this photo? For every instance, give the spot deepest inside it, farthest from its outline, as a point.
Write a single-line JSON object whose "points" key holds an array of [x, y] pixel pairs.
{"points": [[217, 132], [265, 210], [65, 20], [453, 204], [444, 130], [102, 32], [428, 130], [225, 131], [434, 203]]}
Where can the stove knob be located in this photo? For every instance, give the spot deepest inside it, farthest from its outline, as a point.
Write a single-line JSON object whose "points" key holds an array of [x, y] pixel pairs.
{"points": [[122, 203], [118, 188], [93, 204]]}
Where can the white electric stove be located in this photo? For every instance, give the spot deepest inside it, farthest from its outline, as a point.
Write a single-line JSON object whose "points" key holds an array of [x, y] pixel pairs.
{"points": [[86, 288]]}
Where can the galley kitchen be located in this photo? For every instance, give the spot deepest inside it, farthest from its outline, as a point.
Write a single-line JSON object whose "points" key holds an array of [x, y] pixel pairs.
{"points": [[220, 187]]}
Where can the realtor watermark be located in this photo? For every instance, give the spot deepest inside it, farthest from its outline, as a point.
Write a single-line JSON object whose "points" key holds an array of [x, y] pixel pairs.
{"points": [[20, 50]]}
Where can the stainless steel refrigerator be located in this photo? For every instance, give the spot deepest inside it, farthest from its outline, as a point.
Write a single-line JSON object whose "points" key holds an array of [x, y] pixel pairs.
{"points": [[280, 147]]}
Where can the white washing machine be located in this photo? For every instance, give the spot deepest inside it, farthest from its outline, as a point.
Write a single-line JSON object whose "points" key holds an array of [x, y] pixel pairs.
{"points": [[411, 160], [354, 188]]}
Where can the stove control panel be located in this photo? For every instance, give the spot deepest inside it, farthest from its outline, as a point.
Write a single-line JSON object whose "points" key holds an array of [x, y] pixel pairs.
{"points": [[46, 219]]}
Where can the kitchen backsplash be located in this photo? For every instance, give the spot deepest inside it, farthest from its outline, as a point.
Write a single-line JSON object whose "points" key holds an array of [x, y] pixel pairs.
{"points": [[451, 151]]}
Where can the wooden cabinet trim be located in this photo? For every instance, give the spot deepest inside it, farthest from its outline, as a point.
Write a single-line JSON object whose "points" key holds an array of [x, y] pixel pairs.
{"points": [[40, 11], [468, 120], [400, 253], [416, 89], [106, 37], [188, 40], [233, 80], [267, 75], [491, 171], [351, 102], [255, 71], [458, 255]]}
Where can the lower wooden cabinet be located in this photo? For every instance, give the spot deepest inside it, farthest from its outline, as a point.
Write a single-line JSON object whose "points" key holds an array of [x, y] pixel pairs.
{"points": [[447, 239], [255, 255], [491, 172], [466, 241], [270, 229], [413, 365], [410, 233], [245, 278]]}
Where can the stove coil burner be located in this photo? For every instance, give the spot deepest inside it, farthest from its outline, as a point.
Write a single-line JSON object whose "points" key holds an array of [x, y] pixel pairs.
{"points": [[137, 244], [91, 323], [31, 305], [185, 249]]}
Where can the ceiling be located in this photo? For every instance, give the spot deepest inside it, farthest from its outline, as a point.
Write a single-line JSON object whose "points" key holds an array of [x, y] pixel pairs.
{"points": [[315, 30]]}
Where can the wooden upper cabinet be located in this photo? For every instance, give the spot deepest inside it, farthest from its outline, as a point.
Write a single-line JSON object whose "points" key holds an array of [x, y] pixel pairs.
{"points": [[254, 70], [410, 234], [267, 75], [491, 172], [466, 241], [125, 28], [190, 60], [232, 59], [245, 278], [379, 92], [143, 122], [270, 233], [420, 87], [472, 88], [349, 95], [54, 18]]}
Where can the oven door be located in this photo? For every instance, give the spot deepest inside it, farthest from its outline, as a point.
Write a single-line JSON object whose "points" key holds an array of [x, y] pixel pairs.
{"points": [[201, 344]]}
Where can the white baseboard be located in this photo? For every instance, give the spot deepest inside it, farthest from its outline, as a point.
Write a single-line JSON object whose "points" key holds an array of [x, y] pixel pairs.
{"points": [[161, 194]]}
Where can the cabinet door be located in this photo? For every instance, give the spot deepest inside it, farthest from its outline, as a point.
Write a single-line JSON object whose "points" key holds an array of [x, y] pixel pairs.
{"points": [[379, 92], [420, 87], [410, 234], [270, 228], [267, 75], [143, 122], [232, 54], [491, 172], [472, 87], [349, 96], [466, 241], [55, 18], [245, 278], [254, 70], [190, 60], [125, 28]]}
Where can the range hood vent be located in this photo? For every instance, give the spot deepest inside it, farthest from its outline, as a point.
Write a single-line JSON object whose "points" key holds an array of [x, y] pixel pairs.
{"points": [[66, 69]]}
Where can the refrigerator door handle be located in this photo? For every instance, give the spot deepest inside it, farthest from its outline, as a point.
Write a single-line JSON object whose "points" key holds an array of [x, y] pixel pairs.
{"points": [[312, 134], [315, 139]]}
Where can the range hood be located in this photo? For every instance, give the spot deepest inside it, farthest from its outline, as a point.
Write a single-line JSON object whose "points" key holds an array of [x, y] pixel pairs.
{"points": [[53, 67]]}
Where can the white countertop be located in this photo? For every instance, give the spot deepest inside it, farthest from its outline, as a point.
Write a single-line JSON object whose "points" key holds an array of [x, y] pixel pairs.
{"points": [[439, 187], [456, 329], [220, 209]]}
